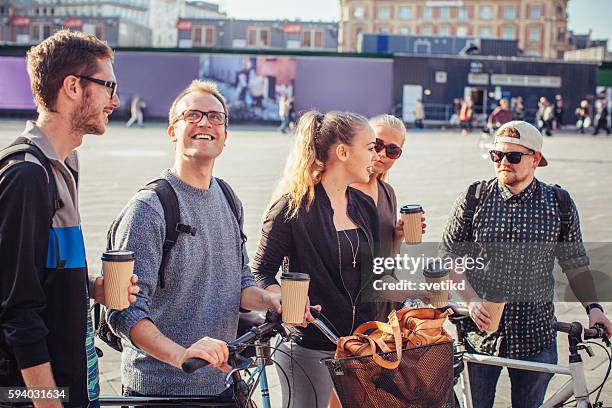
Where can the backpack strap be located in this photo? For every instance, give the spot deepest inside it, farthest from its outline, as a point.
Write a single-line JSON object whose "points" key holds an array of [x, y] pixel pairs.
{"points": [[231, 198], [474, 193], [172, 217], [565, 211], [25, 145]]}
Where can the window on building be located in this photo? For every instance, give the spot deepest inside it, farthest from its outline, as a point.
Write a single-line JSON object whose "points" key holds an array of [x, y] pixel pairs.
{"points": [[312, 39], [384, 13], [427, 30], [462, 31], [535, 34], [535, 11], [40, 31], [445, 14], [258, 37], [444, 31], [384, 30], [359, 12], [509, 33], [203, 36], [462, 14], [427, 14], [404, 30], [485, 32], [560, 12], [509, 12], [561, 35], [533, 53], [405, 13], [485, 12], [101, 32]]}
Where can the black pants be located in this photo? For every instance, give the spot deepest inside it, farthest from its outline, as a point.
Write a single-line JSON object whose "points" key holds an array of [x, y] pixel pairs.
{"points": [[547, 126], [602, 124]]}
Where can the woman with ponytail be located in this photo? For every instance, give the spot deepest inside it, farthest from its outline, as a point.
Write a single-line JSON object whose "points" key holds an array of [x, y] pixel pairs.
{"points": [[319, 225]]}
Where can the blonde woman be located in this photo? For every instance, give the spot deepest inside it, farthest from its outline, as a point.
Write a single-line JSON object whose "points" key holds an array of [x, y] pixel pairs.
{"points": [[319, 225]]}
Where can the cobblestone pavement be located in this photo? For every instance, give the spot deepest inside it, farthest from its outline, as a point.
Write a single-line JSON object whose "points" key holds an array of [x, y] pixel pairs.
{"points": [[435, 167]]}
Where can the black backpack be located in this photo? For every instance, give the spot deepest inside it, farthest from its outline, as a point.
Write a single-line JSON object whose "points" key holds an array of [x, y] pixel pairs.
{"points": [[167, 197], [476, 191], [9, 372]]}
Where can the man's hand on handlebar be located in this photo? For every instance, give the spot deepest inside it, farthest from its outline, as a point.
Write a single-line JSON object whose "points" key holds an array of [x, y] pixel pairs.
{"points": [[596, 316], [479, 314], [212, 350]]}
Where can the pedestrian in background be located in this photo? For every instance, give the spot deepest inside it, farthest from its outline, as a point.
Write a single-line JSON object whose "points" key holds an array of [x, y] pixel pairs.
{"points": [[558, 110], [583, 113], [419, 114], [601, 117], [136, 111]]}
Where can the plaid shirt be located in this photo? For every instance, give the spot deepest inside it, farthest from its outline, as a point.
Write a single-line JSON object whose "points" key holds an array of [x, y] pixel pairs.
{"points": [[517, 237]]}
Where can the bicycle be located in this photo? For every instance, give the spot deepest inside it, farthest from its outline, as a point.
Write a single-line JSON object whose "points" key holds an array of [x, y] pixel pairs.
{"points": [[242, 359], [575, 386]]}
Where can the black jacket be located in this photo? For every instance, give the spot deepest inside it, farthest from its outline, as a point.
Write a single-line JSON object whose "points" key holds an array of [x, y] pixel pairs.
{"points": [[309, 243], [44, 302]]}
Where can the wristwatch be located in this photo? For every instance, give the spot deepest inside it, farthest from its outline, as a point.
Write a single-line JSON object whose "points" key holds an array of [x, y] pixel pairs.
{"points": [[593, 306]]}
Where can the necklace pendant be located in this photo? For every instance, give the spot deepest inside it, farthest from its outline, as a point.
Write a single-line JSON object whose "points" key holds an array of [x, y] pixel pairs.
{"points": [[354, 264]]}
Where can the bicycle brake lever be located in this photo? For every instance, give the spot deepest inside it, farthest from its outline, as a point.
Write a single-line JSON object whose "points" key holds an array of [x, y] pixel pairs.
{"points": [[588, 349], [242, 363], [603, 335]]}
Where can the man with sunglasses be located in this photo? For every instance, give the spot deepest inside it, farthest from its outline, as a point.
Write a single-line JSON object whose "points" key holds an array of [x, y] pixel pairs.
{"points": [[46, 333], [519, 226], [207, 277]]}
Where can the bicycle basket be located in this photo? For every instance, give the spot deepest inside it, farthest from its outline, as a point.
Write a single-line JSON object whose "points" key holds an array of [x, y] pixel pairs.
{"points": [[424, 379]]}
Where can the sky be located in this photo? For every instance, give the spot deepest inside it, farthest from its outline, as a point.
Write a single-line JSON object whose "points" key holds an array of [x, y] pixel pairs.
{"points": [[584, 15]]}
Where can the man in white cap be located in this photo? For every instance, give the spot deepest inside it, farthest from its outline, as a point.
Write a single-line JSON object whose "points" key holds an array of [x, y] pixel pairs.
{"points": [[518, 226]]}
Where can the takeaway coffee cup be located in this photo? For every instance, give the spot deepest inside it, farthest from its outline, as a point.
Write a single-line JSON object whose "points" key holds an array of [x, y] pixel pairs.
{"points": [[117, 270], [435, 273], [294, 295], [411, 215], [495, 307]]}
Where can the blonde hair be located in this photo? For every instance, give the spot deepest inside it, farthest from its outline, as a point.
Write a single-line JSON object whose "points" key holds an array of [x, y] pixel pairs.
{"points": [[197, 85], [391, 122], [315, 133]]}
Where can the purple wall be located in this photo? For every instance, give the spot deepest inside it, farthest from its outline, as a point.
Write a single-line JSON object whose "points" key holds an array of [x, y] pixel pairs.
{"points": [[15, 92], [157, 77], [334, 83], [364, 86]]}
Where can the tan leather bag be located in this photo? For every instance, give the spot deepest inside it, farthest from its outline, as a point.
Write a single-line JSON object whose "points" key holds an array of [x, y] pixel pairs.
{"points": [[407, 328]]}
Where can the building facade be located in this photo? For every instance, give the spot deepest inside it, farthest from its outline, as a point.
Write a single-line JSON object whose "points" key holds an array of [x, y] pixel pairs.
{"points": [[124, 23], [540, 26], [274, 35]]}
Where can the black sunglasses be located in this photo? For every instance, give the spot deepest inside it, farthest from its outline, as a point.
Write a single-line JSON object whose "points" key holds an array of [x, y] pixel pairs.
{"points": [[513, 157], [393, 151], [109, 84], [195, 116]]}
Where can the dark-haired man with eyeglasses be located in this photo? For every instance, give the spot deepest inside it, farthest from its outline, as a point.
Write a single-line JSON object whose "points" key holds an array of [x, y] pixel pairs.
{"points": [[519, 226], [207, 277], [46, 333]]}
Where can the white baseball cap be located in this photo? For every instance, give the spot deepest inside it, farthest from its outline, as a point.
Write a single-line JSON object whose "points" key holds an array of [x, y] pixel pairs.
{"points": [[527, 136]]}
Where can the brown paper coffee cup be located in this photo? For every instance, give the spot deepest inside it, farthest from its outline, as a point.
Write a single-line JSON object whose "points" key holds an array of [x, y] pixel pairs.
{"points": [[435, 273], [117, 270], [495, 309], [411, 215], [294, 296]]}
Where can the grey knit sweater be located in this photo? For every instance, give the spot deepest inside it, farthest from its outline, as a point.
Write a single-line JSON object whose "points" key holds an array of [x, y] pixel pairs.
{"points": [[204, 278]]}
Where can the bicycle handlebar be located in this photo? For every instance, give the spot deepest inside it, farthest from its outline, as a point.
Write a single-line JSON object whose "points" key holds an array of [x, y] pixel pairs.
{"points": [[271, 324], [575, 329]]}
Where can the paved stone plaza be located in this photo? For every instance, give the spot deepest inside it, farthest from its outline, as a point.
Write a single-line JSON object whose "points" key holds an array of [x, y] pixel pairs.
{"points": [[435, 168]]}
